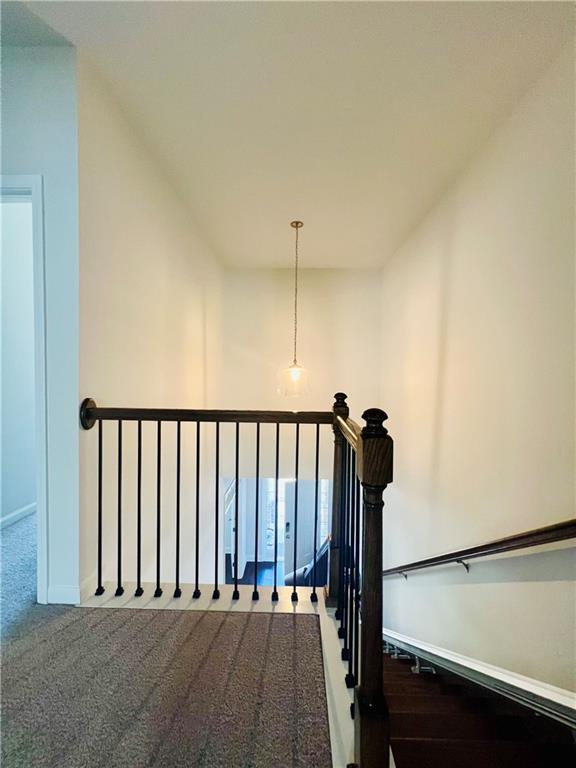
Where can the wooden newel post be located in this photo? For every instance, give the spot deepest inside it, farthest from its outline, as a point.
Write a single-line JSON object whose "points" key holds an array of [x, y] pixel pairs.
{"points": [[340, 408], [371, 722]]}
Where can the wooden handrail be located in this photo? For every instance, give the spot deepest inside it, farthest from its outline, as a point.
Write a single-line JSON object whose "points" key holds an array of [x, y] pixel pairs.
{"points": [[548, 534], [90, 413], [350, 430]]}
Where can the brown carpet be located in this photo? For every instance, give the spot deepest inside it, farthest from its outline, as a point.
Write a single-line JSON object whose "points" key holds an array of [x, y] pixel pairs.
{"points": [[132, 688]]}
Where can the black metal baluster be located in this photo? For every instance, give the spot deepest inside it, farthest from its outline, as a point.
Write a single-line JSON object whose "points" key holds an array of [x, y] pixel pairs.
{"points": [[342, 510], [158, 590], [346, 557], [352, 638], [294, 596], [119, 587], [236, 593], [341, 540], [216, 592], [357, 577], [178, 591], [196, 594], [275, 590], [344, 546], [346, 561], [255, 595], [139, 591], [314, 596], [345, 615], [100, 586]]}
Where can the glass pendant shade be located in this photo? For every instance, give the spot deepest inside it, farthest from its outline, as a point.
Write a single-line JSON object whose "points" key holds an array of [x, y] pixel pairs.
{"points": [[293, 380]]}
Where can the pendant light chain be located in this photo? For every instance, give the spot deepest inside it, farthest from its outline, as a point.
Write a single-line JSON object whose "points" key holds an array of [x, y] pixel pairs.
{"points": [[296, 295]]}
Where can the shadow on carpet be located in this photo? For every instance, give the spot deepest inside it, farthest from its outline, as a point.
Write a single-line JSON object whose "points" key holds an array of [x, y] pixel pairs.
{"points": [[132, 688]]}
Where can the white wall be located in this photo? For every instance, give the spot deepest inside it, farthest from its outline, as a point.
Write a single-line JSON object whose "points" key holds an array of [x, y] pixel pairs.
{"points": [[39, 137], [149, 321], [478, 378], [338, 332], [126, 322], [18, 395], [339, 324]]}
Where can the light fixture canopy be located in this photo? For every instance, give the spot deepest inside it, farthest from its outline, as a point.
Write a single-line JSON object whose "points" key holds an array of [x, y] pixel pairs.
{"points": [[294, 379]]}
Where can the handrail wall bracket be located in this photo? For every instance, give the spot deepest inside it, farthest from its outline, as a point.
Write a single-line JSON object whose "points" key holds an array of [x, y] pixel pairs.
{"points": [[87, 418]]}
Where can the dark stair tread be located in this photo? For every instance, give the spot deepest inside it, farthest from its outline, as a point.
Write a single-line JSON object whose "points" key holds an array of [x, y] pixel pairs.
{"points": [[417, 685], [445, 721], [464, 725], [421, 702], [434, 682], [435, 753]]}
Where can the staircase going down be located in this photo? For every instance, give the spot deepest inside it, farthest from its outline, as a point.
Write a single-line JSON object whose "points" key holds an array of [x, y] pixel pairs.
{"points": [[443, 721]]}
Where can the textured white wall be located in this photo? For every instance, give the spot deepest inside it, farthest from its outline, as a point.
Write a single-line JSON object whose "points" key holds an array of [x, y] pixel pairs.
{"points": [[18, 397], [39, 136], [478, 378]]}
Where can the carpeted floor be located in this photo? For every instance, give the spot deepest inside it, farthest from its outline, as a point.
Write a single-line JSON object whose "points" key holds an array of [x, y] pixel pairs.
{"points": [[82, 688], [130, 688], [19, 612]]}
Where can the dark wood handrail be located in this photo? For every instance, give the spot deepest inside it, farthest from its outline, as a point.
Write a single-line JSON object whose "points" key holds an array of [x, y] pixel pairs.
{"points": [[90, 413], [350, 430], [549, 534]]}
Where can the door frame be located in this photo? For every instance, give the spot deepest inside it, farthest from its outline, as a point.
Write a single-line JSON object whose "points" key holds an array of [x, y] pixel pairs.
{"points": [[31, 187]]}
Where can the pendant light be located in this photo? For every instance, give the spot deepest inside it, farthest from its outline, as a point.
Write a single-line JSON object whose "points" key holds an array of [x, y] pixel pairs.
{"points": [[294, 378]]}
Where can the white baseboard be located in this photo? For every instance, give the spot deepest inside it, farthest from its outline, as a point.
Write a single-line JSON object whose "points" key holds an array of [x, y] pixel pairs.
{"points": [[18, 514], [88, 586], [64, 594], [558, 703], [72, 595]]}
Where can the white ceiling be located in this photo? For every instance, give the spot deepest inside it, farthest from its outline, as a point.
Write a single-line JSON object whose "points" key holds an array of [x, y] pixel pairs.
{"points": [[351, 116]]}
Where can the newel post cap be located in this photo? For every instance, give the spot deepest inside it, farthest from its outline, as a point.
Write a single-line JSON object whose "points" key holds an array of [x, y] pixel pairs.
{"points": [[374, 418], [377, 450], [340, 407]]}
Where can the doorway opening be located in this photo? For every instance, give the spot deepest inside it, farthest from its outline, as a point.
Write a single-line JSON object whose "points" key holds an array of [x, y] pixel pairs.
{"points": [[22, 414], [266, 529]]}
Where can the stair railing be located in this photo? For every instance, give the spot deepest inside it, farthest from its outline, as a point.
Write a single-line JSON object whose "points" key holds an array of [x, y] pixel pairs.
{"points": [[207, 422], [363, 459], [363, 463]]}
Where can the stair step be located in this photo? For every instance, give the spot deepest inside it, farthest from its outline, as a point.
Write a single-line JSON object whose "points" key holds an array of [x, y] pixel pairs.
{"points": [[416, 685], [463, 725], [419, 702], [440, 688], [424, 704], [454, 753], [444, 721]]}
